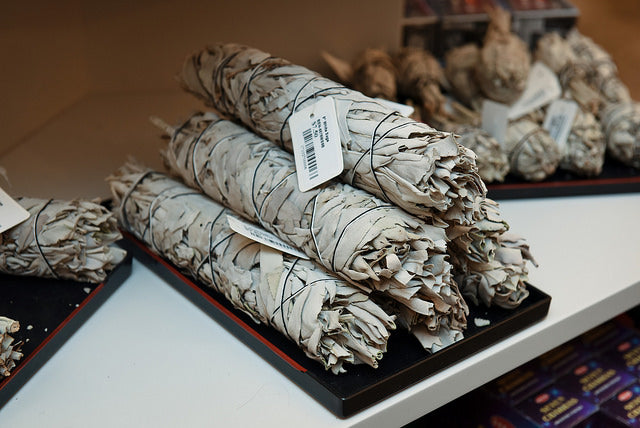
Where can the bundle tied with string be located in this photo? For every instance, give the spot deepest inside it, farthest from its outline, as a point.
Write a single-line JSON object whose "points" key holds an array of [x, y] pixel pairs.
{"points": [[584, 149], [332, 321], [602, 72], [619, 116], [424, 171], [62, 239], [490, 262], [419, 78], [9, 351], [348, 231]]}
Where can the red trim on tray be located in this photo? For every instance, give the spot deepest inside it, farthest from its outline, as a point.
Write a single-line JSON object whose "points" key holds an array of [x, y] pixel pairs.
{"points": [[44, 343], [568, 183], [217, 304]]}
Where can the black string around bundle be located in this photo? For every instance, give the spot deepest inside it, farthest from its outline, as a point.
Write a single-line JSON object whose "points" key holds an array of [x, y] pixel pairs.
{"points": [[35, 236]]}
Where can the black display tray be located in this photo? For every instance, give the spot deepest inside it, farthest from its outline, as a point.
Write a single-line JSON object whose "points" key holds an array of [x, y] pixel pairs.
{"points": [[405, 363], [49, 312], [615, 178]]}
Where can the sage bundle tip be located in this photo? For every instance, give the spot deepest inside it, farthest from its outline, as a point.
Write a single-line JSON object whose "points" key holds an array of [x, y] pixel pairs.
{"points": [[9, 351], [62, 239]]}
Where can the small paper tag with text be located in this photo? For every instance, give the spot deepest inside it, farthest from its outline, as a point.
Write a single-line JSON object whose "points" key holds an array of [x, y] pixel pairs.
{"points": [[11, 212], [542, 87], [316, 144], [559, 119], [494, 119], [258, 234]]}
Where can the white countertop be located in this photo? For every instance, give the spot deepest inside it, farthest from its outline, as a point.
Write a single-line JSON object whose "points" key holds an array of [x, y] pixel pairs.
{"points": [[150, 358]]}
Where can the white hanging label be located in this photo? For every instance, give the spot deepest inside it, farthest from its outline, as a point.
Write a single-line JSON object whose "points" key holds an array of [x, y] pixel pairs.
{"points": [[11, 212], [403, 109], [559, 119], [316, 144], [258, 234], [542, 88], [494, 119]]}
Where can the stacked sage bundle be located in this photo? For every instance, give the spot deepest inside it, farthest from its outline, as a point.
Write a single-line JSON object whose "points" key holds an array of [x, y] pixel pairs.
{"points": [[9, 352], [602, 72], [584, 149], [424, 171], [490, 263], [62, 239], [346, 230], [619, 116], [330, 319]]}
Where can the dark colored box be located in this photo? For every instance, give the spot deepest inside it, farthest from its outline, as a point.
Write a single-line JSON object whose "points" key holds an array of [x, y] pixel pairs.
{"points": [[604, 336], [553, 407], [520, 383], [626, 353], [560, 360], [624, 407], [596, 380]]}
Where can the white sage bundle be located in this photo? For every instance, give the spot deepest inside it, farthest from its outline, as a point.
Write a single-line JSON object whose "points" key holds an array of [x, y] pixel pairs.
{"points": [[602, 72], [346, 230], [490, 262], [620, 120], [621, 123], [330, 319], [583, 151], [492, 161], [419, 78], [62, 239], [9, 351], [504, 61], [393, 157], [533, 154]]}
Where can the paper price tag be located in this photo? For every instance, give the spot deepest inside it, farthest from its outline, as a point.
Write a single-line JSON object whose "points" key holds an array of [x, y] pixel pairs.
{"points": [[258, 234], [559, 119], [316, 144], [542, 88], [403, 109], [494, 119], [11, 212]]}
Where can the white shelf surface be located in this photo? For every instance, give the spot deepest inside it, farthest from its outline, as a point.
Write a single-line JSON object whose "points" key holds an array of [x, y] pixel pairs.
{"points": [[149, 358]]}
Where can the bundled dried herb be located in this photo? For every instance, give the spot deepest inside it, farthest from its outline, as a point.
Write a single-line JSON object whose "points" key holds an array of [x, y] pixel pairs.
{"points": [[621, 123], [397, 159], [9, 352], [584, 150], [490, 262], [620, 119], [330, 319], [419, 78], [62, 239], [504, 61], [602, 72], [346, 230], [533, 154]]}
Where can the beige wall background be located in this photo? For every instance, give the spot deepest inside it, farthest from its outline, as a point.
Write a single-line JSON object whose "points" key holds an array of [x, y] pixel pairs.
{"points": [[55, 53]]}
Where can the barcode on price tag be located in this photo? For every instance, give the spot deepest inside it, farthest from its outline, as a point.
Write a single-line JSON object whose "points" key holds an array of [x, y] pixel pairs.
{"points": [[11, 212], [316, 144], [559, 119], [258, 234]]}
